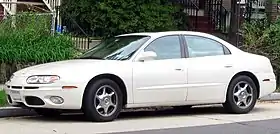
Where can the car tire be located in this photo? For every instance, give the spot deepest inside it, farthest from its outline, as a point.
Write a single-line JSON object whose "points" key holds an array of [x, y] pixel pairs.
{"points": [[47, 112], [97, 101], [241, 100]]}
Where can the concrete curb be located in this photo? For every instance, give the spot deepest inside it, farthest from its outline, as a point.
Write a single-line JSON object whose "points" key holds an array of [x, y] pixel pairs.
{"points": [[271, 97], [17, 111]]}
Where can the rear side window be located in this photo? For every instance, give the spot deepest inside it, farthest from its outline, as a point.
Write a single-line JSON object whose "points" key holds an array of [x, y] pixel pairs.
{"points": [[200, 47]]}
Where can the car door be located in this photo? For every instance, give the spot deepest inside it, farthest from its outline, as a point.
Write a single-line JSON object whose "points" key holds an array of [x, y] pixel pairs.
{"points": [[163, 79], [210, 69]]}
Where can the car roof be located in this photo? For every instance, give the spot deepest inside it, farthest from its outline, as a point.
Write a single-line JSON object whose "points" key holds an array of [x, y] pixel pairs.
{"points": [[159, 34]]}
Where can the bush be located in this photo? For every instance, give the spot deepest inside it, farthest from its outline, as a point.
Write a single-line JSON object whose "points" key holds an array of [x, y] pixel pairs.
{"points": [[113, 17], [29, 41]]}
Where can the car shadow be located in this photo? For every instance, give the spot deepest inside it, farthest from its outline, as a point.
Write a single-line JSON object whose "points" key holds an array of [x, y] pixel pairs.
{"points": [[141, 114]]}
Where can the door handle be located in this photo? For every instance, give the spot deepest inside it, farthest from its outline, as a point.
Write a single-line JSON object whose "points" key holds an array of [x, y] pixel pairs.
{"points": [[179, 69], [228, 66]]}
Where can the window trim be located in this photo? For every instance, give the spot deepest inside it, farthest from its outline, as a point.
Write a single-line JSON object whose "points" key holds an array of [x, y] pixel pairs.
{"points": [[186, 45], [181, 41]]}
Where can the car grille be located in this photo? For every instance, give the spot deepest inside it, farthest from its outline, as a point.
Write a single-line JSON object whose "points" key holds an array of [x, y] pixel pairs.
{"points": [[22, 87]]}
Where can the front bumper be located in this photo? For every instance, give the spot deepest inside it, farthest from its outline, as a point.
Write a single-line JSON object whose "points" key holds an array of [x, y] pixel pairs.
{"points": [[39, 97]]}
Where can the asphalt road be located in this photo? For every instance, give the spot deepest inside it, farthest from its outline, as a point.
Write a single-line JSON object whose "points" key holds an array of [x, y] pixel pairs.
{"points": [[264, 119], [255, 127]]}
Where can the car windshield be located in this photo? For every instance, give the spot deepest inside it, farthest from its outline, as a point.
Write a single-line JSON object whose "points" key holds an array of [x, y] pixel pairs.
{"points": [[116, 48]]}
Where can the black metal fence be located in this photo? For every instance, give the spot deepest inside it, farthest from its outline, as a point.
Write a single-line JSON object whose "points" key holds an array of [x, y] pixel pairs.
{"points": [[79, 36], [70, 26], [245, 12], [218, 15]]}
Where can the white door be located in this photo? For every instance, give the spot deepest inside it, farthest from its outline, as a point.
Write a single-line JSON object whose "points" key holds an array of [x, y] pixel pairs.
{"points": [[163, 79], [210, 69]]}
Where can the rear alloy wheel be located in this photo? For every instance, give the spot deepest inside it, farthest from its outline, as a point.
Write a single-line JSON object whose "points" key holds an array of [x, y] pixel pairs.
{"points": [[47, 112], [103, 101], [241, 96]]}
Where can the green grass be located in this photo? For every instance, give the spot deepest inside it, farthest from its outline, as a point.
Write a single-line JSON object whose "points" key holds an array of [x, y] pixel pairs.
{"points": [[3, 100]]}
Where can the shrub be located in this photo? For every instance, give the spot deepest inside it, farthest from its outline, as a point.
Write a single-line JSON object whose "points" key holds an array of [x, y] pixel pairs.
{"points": [[28, 41], [31, 41]]}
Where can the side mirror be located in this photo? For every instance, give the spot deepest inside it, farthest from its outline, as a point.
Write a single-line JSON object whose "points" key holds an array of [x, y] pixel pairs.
{"points": [[148, 55]]}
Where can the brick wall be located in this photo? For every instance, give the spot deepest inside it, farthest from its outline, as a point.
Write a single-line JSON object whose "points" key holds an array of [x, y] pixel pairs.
{"points": [[273, 10], [1, 12]]}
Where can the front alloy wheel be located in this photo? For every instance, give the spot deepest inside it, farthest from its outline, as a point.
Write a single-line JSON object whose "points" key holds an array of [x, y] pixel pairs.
{"points": [[105, 101], [102, 101]]}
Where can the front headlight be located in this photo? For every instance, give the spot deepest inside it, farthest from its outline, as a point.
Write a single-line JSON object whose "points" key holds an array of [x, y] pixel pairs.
{"points": [[42, 79], [10, 79]]}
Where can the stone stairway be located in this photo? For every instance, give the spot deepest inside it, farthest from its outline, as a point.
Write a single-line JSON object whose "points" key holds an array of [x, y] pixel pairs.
{"points": [[7, 7], [51, 4]]}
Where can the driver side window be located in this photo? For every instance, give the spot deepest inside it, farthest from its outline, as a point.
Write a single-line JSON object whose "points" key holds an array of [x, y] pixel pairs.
{"points": [[167, 47]]}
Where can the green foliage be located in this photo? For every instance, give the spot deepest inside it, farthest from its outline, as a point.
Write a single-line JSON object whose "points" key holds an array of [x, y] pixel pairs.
{"points": [[263, 38], [3, 100], [29, 40], [113, 17]]}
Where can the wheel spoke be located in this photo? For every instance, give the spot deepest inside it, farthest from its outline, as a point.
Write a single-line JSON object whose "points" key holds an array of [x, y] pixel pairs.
{"points": [[238, 103], [244, 88], [236, 94], [239, 87], [244, 101], [249, 95], [99, 97], [112, 104], [104, 91], [98, 107], [111, 94], [106, 110]]}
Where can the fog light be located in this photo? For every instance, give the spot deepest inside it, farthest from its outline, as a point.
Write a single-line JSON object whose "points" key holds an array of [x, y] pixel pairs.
{"points": [[56, 99]]}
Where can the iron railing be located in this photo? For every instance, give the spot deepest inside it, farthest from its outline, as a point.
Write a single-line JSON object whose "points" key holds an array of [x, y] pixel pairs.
{"points": [[218, 15], [79, 36]]}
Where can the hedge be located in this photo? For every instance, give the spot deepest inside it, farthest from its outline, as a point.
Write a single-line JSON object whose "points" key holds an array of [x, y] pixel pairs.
{"points": [[106, 18]]}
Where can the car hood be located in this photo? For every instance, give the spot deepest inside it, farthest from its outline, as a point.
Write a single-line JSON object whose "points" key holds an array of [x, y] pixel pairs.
{"points": [[59, 67]]}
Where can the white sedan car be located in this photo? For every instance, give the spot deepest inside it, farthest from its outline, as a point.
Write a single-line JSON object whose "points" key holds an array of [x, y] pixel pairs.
{"points": [[175, 68]]}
